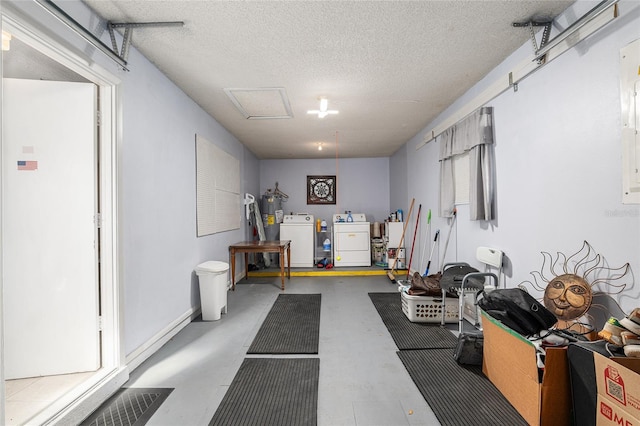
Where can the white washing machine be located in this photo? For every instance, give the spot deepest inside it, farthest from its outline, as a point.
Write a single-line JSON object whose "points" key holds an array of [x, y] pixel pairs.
{"points": [[351, 240], [300, 229]]}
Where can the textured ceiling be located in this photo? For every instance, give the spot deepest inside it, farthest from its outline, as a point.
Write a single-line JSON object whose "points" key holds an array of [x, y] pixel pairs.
{"points": [[389, 67]]}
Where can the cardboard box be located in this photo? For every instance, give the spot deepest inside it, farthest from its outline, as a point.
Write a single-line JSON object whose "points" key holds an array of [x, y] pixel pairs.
{"points": [[582, 372], [610, 414], [509, 361], [618, 384]]}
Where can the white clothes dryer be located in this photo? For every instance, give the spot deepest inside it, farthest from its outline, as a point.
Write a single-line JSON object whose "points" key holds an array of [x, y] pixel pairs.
{"points": [[351, 240]]}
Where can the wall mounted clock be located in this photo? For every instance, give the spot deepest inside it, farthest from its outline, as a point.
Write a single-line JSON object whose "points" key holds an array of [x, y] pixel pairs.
{"points": [[321, 189]]}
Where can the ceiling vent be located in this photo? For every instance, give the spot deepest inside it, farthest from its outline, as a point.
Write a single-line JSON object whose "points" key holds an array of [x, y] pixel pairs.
{"points": [[261, 103]]}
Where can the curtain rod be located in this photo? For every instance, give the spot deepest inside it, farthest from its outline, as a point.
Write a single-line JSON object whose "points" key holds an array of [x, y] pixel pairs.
{"points": [[82, 31]]}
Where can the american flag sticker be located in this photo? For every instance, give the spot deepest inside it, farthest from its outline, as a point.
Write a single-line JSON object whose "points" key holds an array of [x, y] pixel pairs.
{"points": [[27, 165]]}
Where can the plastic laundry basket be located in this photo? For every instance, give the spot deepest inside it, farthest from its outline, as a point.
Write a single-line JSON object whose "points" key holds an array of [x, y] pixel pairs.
{"points": [[212, 276]]}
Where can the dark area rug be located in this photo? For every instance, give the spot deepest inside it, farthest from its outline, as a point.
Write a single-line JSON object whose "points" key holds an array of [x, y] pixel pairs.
{"points": [[292, 326], [409, 335], [128, 406], [272, 391], [458, 395]]}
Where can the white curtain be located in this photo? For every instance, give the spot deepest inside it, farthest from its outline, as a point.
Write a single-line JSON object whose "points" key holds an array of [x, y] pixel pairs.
{"points": [[475, 135], [447, 187]]}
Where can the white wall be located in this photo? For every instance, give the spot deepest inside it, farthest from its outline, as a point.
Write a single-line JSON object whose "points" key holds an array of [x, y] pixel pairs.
{"points": [[159, 247], [558, 154], [398, 180], [422, 173], [362, 185]]}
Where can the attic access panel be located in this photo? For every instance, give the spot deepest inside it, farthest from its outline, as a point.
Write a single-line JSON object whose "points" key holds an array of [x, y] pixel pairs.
{"points": [[261, 103]]}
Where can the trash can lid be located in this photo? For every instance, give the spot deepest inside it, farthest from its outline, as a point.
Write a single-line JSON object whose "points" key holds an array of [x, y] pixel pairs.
{"points": [[212, 266]]}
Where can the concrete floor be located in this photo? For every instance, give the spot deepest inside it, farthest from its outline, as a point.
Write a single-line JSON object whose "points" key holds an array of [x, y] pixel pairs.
{"points": [[362, 380]]}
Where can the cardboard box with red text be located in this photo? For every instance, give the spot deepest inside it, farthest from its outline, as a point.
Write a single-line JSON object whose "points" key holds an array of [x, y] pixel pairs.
{"points": [[618, 383]]}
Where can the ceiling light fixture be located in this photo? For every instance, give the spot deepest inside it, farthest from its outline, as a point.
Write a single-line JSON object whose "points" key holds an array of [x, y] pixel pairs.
{"points": [[6, 40], [323, 111]]}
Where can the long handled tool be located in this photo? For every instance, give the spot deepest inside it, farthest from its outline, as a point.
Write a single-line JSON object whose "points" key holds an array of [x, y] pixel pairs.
{"points": [[415, 232], [446, 245], [433, 247], [426, 238], [404, 229]]}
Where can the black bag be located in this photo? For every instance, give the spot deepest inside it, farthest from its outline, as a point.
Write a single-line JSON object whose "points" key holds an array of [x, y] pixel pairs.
{"points": [[469, 348], [518, 310], [453, 275]]}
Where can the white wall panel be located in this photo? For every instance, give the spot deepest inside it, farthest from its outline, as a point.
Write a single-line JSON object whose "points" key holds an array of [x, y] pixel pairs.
{"points": [[217, 188]]}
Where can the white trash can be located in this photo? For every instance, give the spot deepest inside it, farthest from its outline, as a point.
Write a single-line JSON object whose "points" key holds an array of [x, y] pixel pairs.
{"points": [[212, 276]]}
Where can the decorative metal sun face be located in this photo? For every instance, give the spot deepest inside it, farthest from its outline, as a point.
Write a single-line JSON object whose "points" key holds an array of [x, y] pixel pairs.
{"points": [[568, 296], [569, 283]]}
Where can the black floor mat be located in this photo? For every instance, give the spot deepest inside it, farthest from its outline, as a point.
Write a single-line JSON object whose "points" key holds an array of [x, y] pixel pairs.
{"points": [[458, 395], [271, 391], [128, 407], [291, 327], [407, 334]]}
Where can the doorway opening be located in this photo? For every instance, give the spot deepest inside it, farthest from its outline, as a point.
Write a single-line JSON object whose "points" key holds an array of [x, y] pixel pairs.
{"points": [[59, 239]]}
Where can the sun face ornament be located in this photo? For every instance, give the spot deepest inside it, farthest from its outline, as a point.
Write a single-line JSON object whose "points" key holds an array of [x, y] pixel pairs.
{"points": [[569, 283], [568, 296]]}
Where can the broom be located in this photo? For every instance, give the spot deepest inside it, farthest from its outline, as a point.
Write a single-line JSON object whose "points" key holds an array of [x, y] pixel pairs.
{"points": [[435, 239], [415, 232], [404, 229], [427, 238]]}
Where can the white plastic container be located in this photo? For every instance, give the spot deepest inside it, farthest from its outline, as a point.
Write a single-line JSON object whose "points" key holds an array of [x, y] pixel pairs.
{"points": [[429, 309], [212, 277]]}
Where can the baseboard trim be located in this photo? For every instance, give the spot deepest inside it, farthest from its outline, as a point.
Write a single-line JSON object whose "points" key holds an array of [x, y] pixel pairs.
{"points": [[144, 351], [74, 412]]}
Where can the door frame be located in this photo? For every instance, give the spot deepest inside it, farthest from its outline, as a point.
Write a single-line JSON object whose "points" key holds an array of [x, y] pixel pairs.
{"points": [[81, 401]]}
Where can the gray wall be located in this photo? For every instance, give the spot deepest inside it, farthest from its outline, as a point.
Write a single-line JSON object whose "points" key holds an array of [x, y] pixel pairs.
{"points": [[558, 154], [362, 185], [159, 247], [399, 182]]}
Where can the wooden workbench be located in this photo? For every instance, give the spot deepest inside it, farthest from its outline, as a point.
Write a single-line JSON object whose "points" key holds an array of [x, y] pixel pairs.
{"points": [[247, 247]]}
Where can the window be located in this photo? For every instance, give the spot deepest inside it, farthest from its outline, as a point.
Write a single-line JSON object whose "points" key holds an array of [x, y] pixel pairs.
{"points": [[461, 178], [467, 166]]}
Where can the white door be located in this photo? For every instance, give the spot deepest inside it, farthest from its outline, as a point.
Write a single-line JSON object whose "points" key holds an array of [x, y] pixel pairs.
{"points": [[48, 233]]}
